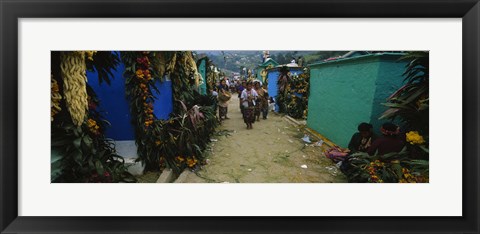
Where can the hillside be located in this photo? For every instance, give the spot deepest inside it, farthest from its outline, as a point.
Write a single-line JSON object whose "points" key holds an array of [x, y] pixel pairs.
{"points": [[235, 61]]}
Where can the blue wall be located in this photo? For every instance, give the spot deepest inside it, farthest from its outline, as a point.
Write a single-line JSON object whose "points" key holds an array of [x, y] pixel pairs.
{"points": [[272, 77], [115, 108], [163, 105], [114, 104]]}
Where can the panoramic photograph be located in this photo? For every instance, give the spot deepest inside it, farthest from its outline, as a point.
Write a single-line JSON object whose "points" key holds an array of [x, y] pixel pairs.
{"points": [[239, 116]]}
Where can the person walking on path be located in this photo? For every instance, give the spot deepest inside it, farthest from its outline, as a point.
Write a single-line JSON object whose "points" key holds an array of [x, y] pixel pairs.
{"points": [[248, 99], [262, 104], [223, 97], [240, 89]]}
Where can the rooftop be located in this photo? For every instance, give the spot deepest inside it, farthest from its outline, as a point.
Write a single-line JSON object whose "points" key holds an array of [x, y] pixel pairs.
{"points": [[339, 60]]}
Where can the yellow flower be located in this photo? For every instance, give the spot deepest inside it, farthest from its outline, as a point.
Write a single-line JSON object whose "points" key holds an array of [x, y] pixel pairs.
{"points": [[158, 142], [91, 123], [414, 138], [180, 158], [90, 54]]}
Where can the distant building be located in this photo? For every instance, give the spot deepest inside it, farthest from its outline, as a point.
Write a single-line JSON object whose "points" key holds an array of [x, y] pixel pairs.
{"points": [[261, 69]]}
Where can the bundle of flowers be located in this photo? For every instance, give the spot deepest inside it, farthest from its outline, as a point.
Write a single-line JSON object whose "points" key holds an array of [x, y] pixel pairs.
{"points": [[411, 165], [293, 100]]}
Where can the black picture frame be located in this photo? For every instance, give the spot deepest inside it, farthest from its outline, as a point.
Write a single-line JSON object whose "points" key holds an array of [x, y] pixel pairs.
{"points": [[11, 11]]}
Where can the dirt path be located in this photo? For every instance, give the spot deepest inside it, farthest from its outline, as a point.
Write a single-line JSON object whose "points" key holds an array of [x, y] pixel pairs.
{"points": [[272, 152]]}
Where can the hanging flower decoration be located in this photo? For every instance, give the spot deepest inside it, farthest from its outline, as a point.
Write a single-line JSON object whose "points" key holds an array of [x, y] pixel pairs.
{"points": [[55, 98], [141, 75], [73, 71], [144, 78], [179, 142]]}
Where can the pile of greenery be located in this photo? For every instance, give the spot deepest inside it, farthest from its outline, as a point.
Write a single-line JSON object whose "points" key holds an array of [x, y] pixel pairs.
{"points": [[293, 93]]}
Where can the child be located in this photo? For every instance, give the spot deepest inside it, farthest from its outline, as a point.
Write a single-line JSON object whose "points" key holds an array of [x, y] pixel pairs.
{"points": [[271, 104]]}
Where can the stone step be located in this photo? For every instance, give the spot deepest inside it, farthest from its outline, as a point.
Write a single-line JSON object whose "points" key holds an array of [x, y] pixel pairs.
{"points": [[167, 176]]}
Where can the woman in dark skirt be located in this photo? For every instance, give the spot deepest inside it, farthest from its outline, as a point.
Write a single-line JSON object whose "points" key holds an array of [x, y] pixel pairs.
{"points": [[248, 99], [223, 104]]}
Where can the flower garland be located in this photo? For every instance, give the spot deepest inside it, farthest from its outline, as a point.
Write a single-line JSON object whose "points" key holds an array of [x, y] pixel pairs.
{"points": [[55, 98], [179, 142], [144, 77], [140, 77]]}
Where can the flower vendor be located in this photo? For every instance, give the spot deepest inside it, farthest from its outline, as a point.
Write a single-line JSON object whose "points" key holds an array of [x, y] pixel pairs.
{"points": [[223, 97], [262, 106], [362, 140], [389, 142]]}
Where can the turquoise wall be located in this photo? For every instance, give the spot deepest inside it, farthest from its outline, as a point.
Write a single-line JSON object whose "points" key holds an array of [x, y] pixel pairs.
{"points": [[203, 71], [389, 80], [344, 93]]}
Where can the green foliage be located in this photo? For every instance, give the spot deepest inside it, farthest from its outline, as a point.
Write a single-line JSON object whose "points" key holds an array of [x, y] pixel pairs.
{"points": [[79, 156], [389, 168], [183, 139], [182, 80], [103, 63]]}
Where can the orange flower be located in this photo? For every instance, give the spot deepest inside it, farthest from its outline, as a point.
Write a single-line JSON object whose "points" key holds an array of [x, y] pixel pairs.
{"points": [[191, 162], [139, 73]]}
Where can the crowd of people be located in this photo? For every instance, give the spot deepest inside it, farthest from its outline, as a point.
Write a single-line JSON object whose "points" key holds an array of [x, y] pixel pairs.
{"points": [[254, 102], [253, 98]]}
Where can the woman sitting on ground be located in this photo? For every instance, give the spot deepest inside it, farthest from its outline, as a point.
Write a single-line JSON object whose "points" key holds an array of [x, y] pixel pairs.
{"points": [[389, 142], [362, 140]]}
